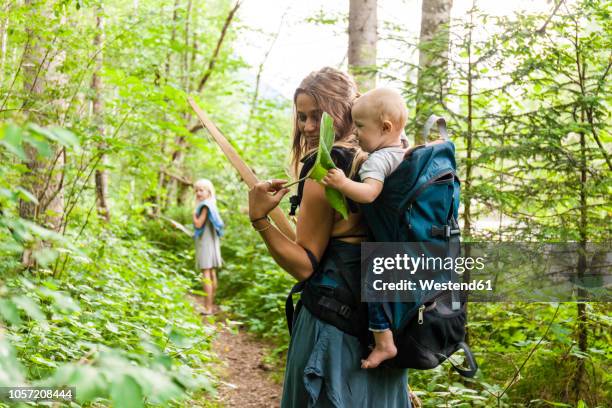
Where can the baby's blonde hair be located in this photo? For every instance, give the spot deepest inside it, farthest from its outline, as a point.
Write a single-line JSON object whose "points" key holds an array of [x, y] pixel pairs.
{"points": [[208, 186], [385, 104]]}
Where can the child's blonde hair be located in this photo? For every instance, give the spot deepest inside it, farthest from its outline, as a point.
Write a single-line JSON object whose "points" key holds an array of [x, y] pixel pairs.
{"points": [[207, 185], [384, 104]]}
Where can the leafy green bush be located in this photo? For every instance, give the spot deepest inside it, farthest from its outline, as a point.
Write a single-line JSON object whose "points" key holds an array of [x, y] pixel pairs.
{"points": [[126, 313]]}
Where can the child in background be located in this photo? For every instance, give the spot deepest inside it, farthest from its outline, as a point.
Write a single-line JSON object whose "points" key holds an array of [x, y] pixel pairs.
{"points": [[379, 116], [208, 231]]}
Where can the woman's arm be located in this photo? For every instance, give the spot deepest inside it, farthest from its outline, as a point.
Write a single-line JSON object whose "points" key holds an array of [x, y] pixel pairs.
{"points": [[314, 226], [199, 221]]}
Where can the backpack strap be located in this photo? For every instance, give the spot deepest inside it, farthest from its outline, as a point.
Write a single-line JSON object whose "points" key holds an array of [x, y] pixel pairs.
{"points": [[337, 299], [441, 127], [469, 357], [450, 229], [445, 231], [297, 288], [335, 306], [338, 305]]}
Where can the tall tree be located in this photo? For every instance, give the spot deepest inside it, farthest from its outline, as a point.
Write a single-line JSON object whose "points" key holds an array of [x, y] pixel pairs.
{"points": [[178, 156], [45, 177], [433, 57], [173, 184], [4, 25], [363, 23], [101, 177]]}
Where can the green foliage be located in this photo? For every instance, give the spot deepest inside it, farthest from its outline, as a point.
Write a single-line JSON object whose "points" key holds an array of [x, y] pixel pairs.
{"points": [[125, 313], [11, 374], [38, 141], [82, 328]]}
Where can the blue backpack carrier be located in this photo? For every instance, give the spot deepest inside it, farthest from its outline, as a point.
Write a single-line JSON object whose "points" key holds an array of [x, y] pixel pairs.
{"points": [[419, 203]]}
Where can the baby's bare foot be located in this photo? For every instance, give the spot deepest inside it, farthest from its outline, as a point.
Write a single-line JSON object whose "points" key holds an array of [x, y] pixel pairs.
{"points": [[378, 355]]}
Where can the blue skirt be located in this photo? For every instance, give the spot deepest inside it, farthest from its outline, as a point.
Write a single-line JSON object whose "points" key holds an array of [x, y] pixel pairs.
{"points": [[324, 365]]}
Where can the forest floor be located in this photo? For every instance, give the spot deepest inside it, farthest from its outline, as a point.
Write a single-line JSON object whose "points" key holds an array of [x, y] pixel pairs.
{"points": [[246, 378]]}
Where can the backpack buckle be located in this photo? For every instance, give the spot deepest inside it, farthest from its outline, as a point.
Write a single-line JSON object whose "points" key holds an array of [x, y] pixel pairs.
{"points": [[295, 202], [344, 311], [335, 306], [443, 231]]}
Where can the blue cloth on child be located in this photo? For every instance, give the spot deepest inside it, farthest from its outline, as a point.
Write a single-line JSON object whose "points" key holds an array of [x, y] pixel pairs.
{"points": [[213, 216]]}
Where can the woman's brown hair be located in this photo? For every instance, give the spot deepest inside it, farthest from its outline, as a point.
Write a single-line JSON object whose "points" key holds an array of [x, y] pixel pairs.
{"points": [[334, 92]]}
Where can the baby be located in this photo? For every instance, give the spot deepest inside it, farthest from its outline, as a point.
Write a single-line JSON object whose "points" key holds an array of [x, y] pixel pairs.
{"points": [[379, 116]]}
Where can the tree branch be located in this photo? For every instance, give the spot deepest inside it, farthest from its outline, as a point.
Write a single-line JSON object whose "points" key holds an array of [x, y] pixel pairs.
{"points": [[542, 29], [184, 180], [261, 67], [213, 59]]}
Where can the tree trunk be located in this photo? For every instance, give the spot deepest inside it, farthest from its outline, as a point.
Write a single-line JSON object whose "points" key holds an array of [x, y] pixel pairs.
{"points": [[45, 176], [582, 329], [215, 55], [582, 333], [157, 198], [178, 156], [101, 177], [433, 57], [467, 181], [362, 42], [3, 45], [186, 75], [172, 39]]}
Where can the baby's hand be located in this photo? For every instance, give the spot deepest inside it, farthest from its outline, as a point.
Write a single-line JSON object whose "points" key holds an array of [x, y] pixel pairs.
{"points": [[334, 178]]}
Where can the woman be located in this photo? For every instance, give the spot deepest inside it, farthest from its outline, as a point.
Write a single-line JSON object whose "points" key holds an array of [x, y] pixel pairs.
{"points": [[323, 362]]}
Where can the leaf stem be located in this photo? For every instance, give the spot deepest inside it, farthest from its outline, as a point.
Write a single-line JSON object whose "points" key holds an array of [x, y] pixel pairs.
{"points": [[295, 182]]}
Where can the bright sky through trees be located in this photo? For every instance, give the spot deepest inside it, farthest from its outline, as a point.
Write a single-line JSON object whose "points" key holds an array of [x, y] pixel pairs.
{"points": [[303, 46]]}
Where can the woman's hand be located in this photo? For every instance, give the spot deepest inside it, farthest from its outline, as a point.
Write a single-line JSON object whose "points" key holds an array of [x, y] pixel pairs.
{"points": [[265, 196]]}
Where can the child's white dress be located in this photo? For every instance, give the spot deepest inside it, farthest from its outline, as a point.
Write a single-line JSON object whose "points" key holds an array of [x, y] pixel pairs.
{"points": [[208, 248]]}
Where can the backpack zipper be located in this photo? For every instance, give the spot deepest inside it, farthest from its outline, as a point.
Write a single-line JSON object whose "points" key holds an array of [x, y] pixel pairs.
{"points": [[424, 309], [432, 303], [421, 310], [410, 216], [433, 180]]}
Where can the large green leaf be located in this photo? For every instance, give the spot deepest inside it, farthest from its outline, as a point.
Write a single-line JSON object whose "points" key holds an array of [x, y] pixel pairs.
{"points": [[324, 162], [11, 138], [11, 371], [30, 307], [57, 134], [126, 392], [9, 312]]}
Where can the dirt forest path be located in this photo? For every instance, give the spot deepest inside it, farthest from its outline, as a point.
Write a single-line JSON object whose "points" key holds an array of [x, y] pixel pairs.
{"points": [[245, 378]]}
